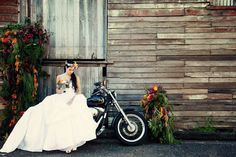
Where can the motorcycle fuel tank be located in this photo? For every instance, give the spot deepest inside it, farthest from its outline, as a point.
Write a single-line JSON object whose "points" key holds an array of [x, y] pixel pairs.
{"points": [[95, 101]]}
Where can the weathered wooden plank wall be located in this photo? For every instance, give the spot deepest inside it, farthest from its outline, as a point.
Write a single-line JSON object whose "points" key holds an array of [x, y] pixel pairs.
{"points": [[186, 47], [77, 27], [8, 12]]}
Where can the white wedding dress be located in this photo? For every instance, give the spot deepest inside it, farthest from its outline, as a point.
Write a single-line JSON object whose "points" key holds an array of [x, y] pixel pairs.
{"points": [[59, 122]]}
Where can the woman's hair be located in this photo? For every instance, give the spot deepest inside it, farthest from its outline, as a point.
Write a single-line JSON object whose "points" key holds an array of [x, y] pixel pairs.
{"points": [[68, 64]]}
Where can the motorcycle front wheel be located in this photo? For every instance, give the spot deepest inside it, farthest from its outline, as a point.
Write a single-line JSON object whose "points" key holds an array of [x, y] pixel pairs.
{"points": [[134, 135]]}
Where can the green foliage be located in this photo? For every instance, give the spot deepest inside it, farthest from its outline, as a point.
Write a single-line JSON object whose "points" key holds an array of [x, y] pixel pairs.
{"points": [[21, 52], [27, 85], [208, 128], [6, 92]]}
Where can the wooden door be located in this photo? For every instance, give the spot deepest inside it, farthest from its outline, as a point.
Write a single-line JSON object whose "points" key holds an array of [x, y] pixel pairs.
{"points": [[77, 27], [88, 75]]}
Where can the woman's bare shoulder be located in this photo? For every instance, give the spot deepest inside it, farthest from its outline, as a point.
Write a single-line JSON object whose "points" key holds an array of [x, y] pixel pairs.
{"points": [[59, 76]]}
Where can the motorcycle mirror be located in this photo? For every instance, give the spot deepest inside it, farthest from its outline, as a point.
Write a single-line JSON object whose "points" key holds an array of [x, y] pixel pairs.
{"points": [[105, 82], [98, 83]]}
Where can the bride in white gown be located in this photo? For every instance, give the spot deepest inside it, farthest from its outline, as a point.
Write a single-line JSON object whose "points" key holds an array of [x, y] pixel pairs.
{"points": [[61, 121]]}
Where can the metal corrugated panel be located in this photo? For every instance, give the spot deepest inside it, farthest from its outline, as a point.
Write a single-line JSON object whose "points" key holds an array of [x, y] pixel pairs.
{"points": [[224, 2], [77, 27]]}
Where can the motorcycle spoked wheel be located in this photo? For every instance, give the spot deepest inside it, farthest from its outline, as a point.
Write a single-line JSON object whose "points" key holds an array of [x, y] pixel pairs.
{"points": [[128, 136]]}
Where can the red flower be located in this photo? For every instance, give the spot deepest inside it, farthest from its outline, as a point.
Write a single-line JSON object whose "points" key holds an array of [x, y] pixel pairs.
{"points": [[40, 43], [21, 113], [13, 122], [25, 39], [30, 36], [150, 96], [5, 40], [14, 96], [40, 32], [151, 91]]}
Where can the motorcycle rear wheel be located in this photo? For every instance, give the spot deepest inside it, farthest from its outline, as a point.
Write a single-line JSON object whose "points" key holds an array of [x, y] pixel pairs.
{"points": [[125, 134]]}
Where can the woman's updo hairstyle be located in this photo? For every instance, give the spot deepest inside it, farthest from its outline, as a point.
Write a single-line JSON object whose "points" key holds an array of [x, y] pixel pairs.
{"points": [[71, 63]]}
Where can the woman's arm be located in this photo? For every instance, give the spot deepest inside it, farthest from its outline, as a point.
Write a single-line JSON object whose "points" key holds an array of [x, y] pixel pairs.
{"points": [[78, 85], [58, 91]]}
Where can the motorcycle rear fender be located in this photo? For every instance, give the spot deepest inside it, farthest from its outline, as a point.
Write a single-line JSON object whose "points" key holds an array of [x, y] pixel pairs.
{"points": [[117, 115]]}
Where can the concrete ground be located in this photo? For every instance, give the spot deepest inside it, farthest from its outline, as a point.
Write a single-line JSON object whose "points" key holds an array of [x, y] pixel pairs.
{"points": [[111, 147]]}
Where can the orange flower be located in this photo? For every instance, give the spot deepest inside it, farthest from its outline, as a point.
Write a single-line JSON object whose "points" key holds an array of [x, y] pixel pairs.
{"points": [[161, 111], [17, 79], [7, 33], [146, 108], [35, 82], [166, 118], [144, 103], [155, 88], [35, 85], [34, 70], [17, 64], [165, 111], [145, 97], [13, 107], [166, 124], [14, 40], [75, 65], [35, 79]]}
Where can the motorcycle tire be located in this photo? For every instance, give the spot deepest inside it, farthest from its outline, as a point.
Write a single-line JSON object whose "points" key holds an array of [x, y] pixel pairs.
{"points": [[128, 136]]}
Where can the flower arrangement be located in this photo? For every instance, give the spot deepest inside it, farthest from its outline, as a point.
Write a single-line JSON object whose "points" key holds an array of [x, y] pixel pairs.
{"points": [[21, 52], [158, 113], [74, 65]]}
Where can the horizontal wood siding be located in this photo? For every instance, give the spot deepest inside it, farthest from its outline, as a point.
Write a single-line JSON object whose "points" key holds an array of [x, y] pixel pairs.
{"points": [[186, 47], [8, 12]]}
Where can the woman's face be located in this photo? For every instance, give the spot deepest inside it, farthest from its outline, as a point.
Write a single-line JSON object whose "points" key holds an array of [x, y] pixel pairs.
{"points": [[70, 70]]}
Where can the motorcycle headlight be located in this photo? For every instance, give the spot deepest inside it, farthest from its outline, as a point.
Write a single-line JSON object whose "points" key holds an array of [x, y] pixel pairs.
{"points": [[114, 94]]}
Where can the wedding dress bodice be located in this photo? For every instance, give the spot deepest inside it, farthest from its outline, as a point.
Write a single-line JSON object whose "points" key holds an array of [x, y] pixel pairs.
{"points": [[67, 87]]}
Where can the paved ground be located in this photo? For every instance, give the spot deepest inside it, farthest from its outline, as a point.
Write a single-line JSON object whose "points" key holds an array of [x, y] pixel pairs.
{"points": [[104, 147]]}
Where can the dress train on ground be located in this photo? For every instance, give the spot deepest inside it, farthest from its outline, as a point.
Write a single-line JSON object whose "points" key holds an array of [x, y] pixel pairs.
{"points": [[59, 122]]}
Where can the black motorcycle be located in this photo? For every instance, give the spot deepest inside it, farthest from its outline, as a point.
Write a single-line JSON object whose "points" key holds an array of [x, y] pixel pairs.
{"points": [[129, 125]]}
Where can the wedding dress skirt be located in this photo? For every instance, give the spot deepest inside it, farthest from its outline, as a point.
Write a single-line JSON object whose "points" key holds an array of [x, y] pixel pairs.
{"points": [[59, 122]]}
